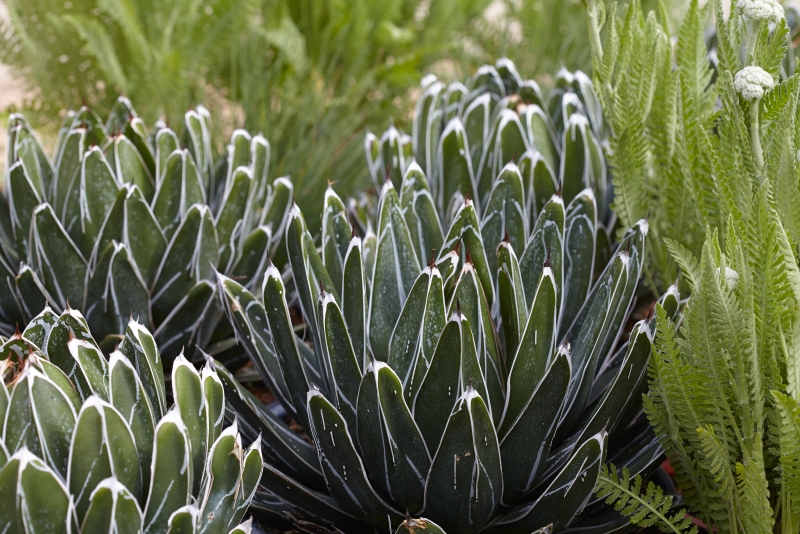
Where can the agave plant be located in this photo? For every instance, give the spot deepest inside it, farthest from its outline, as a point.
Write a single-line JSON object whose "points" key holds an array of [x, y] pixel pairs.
{"points": [[475, 391], [123, 223], [89, 445]]}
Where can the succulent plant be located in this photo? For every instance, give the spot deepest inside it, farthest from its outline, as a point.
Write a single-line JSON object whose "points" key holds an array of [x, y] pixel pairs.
{"points": [[122, 222], [480, 390], [89, 445]]}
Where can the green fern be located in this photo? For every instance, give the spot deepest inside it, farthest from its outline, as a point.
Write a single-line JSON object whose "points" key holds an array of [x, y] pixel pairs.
{"points": [[651, 508]]}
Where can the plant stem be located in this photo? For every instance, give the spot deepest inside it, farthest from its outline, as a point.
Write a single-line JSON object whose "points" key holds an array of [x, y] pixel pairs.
{"points": [[594, 30], [755, 136]]}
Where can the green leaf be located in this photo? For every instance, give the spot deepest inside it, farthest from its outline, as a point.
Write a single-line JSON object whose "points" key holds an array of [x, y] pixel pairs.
{"points": [[392, 156], [545, 245], [172, 476], [232, 211], [23, 200], [465, 482], [420, 212], [187, 390], [197, 139], [224, 470], [23, 482], [38, 329], [476, 119], [536, 350], [102, 447], [54, 417], [70, 324], [417, 330], [284, 342], [190, 257], [507, 143], [184, 520], [336, 233], [427, 126], [563, 498], [180, 327], [166, 142], [541, 135], [92, 366], [539, 181], [98, 190], [392, 447], [466, 229], [504, 217], [511, 298], [580, 231], [354, 299], [345, 370], [141, 350], [349, 483], [180, 187], [127, 394], [129, 166], [525, 444], [68, 168], [454, 165], [61, 266], [411, 526], [112, 508], [396, 269]]}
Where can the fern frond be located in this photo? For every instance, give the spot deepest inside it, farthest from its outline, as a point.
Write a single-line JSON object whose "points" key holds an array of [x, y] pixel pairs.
{"points": [[686, 260], [771, 47], [651, 508], [755, 512]]}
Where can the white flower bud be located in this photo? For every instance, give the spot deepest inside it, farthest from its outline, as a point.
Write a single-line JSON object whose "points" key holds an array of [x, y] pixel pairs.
{"points": [[731, 278], [752, 82], [769, 10]]}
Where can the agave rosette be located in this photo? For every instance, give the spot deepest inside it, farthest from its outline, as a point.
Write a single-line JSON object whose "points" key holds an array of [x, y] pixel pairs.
{"points": [[472, 380], [89, 445], [124, 223]]}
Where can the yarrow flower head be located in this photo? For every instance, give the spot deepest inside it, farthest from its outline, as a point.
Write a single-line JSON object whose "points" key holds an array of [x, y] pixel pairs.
{"points": [[769, 10], [752, 82]]}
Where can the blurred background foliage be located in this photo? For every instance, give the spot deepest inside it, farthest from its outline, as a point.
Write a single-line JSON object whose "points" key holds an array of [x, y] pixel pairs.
{"points": [[312, 75]]}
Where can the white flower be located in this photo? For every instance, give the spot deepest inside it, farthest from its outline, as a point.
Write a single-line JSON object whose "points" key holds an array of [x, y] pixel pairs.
{"points": [[769, 10], [731, 278], [752, 82]]}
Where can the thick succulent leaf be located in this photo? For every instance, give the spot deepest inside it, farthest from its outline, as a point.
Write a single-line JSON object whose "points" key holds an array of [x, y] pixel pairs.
{"points": [[504, 217], [180, 327], [260, 152], [224, 471], [336, 233], [187, 390], [19, 427], [98, 190], [184, 520], [391, 444], [598, 325], [393, 155], [345, 369], [344, 471], [252, 257], [477, 121], [23, 145], [112, 508], [129, 166], [467, 230], [249, 479], [136, 132], [540, 134], [507, 143], [70, 324], [23, 199], [180, 186], [128, 396], [470, 454], [284, 448], [140, 348], [171, 470], [249, 319], [354, 299], [24, 480], [54, 419], [396, 269], [545, 245], [535, 351], [197, 139], [539, 181], [454, 367], [91, 365], [469, 295], [509, 74], [243, 528], [511, 298], [214, 394], [525, 444], [166, 142], [31, 292], [579, 249], [102, 447], [190, 257], [68, 168], [564, 498], [625, 386], [412, 526], [309, 276], [61, 266], [427, 126], [277, 208], [116, 292], [417, 330], [420, 212], [232, 212], [284, 342], [454, 165], [307, 505]]}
